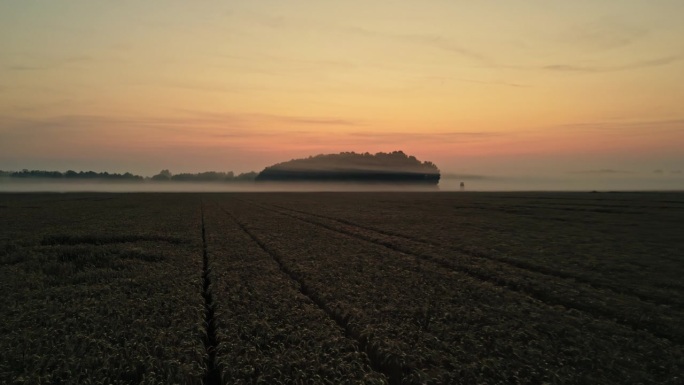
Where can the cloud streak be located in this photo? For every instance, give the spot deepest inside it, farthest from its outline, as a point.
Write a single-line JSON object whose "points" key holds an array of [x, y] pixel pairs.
{"points": [[317, 121], [51, 63], [413, 138], [627, 127], [485, 82], [261, 118], [429, 40], [26, 68], [602, 35], [615, 68], [192, 124], [443, 43]]}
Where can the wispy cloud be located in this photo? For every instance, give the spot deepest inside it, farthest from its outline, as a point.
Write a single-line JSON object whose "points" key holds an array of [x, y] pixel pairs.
{"points": [[443, 43], [312, 120], [496, 83], [258, 63], [26, 68], [601, 35], [413, 137], [261, 118], [48, 63], [626, 127], [437, 41], [476, 81], [96, 123], [440, 42], [614, 68], [185, 129]]}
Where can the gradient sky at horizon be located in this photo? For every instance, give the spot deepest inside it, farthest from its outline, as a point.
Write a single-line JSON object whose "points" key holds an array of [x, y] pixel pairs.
{"points": [[504, 87]]}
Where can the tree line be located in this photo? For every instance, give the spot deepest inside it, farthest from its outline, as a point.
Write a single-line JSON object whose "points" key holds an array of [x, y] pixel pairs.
{"points": [[163, 176]]}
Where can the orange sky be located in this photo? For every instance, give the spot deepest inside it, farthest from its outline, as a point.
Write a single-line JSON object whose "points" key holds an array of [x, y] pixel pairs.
{"points": [[476, 87]]}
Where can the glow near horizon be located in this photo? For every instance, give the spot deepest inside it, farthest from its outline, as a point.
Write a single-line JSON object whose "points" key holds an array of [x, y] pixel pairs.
{"points": [[476, 87]]}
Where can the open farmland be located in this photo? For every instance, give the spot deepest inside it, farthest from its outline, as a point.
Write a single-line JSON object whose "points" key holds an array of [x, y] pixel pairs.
{"points": [[342, 288]]}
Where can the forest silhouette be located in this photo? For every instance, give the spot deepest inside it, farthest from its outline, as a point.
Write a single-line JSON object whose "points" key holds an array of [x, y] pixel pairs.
{"points": [[392, 167], [163, 176]]}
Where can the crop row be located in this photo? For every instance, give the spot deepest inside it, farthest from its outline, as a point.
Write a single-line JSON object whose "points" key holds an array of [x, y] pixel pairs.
{"points": [[441, 326], [268, 331], [627, 252], [82, 304], [554, 290]]}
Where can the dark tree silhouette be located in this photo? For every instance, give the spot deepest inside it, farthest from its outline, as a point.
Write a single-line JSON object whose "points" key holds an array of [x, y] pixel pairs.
{"points": [[208, 176], [73, 175], [163, 175], [349, 166]]}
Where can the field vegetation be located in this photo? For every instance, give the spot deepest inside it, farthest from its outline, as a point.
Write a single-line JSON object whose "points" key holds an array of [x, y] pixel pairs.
{"points": [[342, 288]]}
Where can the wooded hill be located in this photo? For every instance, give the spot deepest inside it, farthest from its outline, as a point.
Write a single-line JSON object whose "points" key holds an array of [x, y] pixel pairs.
{"points": [[394, 167]]}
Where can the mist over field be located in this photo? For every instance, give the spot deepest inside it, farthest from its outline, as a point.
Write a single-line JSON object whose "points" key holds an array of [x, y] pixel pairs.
{"points": [[567, 182], [32, 186], [448, 182]]}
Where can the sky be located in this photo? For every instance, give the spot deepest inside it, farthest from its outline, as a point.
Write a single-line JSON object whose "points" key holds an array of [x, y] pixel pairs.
{"points": [[534, 87]]}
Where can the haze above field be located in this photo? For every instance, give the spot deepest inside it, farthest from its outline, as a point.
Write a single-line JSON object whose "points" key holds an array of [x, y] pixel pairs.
{"points": [[583, 93]]}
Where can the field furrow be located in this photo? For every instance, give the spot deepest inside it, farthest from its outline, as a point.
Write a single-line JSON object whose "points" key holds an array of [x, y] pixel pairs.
{"points": [[447, 327], [637, 255], [268, 329], [212, 376], [548, 288]]}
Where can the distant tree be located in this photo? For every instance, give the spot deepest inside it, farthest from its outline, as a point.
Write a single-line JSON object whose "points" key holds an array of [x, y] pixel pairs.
{"points": [[246, 176], [207, 176], [164, 175]]}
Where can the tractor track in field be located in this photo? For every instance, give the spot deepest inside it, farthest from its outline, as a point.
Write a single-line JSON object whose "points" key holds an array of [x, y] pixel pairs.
{"points": [[537, 294], [478, 254], [212, 375], [515, 264], [379, 363]]}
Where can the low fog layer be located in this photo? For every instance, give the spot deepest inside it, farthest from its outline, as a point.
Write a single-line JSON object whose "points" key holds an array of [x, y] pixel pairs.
{"points": [[563, 182], [449, 183], [150, 186]]}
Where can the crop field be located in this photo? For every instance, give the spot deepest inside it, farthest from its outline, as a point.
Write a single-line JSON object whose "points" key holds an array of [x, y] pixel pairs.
{"points": [[342, 288]]}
